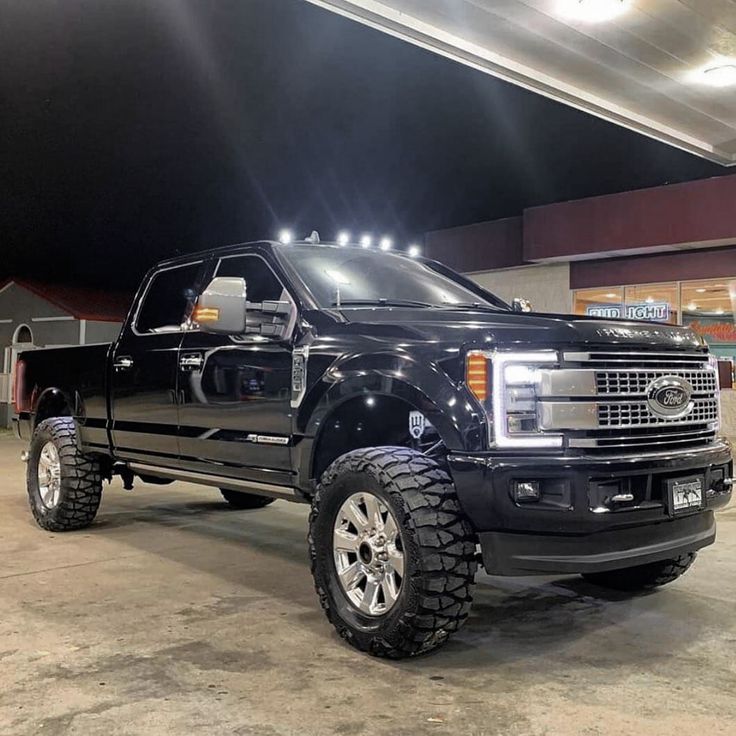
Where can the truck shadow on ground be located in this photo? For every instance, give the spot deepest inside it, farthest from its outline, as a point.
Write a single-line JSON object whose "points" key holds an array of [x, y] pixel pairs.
{"points": [[513, 618]]}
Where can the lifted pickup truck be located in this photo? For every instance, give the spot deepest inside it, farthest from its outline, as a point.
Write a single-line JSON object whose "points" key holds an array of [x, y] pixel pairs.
{"points": [[430, 425]]}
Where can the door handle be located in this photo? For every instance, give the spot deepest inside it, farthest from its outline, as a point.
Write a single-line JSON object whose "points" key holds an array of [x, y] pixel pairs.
{"points": [[191, 362], [123, 363]]}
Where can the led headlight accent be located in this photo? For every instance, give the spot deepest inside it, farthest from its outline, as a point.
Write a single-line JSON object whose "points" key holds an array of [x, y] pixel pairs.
{"points": [[713, 365], [515, 379]]}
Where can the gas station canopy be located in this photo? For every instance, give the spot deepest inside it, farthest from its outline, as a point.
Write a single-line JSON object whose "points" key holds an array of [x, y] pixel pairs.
{"points": [[664, 68]]}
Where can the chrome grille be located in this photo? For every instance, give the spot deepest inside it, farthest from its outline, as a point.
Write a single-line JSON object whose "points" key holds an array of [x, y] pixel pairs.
{"points": [[638, 414], [636, 382], [598, 399]]}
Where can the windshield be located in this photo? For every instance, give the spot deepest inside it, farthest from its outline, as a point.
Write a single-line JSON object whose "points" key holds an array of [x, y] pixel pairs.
{"points": [[349, 277]]}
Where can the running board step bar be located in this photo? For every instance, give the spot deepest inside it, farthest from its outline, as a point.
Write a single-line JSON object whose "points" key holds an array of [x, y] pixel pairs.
{"points": [[229, 484]]}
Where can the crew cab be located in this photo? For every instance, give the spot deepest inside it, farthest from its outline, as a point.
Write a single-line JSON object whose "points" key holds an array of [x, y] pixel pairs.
{"points": [[431, 426]]}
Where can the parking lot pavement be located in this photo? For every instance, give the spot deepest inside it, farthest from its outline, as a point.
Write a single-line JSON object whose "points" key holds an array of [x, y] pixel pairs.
{"points": [[173, 614]]}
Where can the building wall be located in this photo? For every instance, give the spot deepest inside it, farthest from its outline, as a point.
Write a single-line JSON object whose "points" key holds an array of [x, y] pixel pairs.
{"points": [[546, 286], [20, 307], [49, 325], [101, 332]]}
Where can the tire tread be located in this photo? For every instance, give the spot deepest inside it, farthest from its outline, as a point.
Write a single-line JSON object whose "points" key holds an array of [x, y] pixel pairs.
{"points": [[446, 544]]}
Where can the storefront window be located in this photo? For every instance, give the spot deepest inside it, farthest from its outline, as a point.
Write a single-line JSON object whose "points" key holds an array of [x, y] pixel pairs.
{"points": [[604, 302], [709, 308], [653, 303]]}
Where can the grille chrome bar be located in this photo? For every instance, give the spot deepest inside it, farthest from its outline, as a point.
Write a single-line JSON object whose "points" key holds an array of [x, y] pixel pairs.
{"points": [[638, 441], [582, 415]]}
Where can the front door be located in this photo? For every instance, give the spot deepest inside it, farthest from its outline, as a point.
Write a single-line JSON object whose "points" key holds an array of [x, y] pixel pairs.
{"points": [[143, 393], [234, 391]]}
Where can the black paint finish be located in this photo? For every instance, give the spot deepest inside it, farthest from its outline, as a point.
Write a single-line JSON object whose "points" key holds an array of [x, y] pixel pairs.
{"points": [[220, 405]]}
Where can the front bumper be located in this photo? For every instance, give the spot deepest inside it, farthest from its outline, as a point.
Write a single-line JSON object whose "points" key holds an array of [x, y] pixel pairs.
{"points": [[572, 531]]}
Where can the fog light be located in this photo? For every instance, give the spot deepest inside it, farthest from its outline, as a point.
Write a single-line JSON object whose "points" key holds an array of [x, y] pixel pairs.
{"points": [[527, 490]]}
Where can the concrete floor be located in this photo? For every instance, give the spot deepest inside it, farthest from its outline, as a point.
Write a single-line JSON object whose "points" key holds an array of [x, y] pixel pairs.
{"points": [[173, 614]]}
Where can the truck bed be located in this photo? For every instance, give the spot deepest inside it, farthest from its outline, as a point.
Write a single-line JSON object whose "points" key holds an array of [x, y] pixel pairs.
{"points": [[75, 376]]}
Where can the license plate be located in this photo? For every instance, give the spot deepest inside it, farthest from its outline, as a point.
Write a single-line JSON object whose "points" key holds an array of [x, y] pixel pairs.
{"points": [[686, 494]]}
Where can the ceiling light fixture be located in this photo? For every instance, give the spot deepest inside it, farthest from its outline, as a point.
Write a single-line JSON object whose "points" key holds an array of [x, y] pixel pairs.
{"points": [[720, 75], [593, 11]]}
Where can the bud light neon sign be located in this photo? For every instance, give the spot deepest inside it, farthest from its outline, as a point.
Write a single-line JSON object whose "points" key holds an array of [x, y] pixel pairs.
{"points": [[646, 311]]}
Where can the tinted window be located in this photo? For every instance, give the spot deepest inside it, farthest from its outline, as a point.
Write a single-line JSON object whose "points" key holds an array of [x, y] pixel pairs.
{"points": [[168, 299], [261, 282]]}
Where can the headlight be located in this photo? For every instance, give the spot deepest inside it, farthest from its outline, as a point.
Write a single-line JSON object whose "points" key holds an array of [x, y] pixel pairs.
{"points": [[506, 384]]}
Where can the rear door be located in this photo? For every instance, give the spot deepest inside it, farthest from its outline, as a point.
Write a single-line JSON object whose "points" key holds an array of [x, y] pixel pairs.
{"points": [[234, 392], [145, 362]]}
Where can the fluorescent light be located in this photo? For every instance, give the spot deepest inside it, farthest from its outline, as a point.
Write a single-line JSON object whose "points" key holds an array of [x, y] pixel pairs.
{"points": [[385, 244], [286, 236], [593, 11], [701, 291], [343, 238], [721, 75], [649, 300], [414, 251], [611, 295], [692, 307], [366, 241]]}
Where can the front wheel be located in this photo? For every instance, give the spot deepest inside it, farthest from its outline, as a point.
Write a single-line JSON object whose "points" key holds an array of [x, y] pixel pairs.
{"points": [[393, 556], [643, 577]]}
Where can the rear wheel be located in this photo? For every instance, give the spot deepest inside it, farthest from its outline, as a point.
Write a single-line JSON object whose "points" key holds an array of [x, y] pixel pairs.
{"points": [[239, 500], [393, 556], [644, 577], [64, 485]]}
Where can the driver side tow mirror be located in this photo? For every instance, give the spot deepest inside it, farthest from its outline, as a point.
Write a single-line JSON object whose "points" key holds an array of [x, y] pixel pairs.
{"points": [[221, 307], [521, 305]]}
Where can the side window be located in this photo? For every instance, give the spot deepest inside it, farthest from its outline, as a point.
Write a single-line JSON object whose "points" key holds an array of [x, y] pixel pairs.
{"points": [[168, 298], [261, 282]]}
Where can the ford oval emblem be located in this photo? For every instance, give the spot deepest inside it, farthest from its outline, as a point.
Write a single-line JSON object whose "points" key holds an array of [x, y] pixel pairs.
{"points": [[670, 397]]}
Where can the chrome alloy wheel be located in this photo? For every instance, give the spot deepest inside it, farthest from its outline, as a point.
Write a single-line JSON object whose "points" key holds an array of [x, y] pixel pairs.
{"points": [[49, 475], [369, 556]]}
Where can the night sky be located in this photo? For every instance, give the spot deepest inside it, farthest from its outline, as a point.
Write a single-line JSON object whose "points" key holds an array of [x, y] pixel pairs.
{"points": [[131, 130]]}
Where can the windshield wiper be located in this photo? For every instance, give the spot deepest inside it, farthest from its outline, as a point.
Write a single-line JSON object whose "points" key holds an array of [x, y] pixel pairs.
{"points": [[471, 305], [382, 303]]}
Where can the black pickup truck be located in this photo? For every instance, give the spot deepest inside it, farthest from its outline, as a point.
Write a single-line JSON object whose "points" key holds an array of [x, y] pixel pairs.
{"points": [[430, 425]]}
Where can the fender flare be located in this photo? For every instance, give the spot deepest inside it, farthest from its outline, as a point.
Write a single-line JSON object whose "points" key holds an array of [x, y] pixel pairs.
{"points": [[459, 421]]}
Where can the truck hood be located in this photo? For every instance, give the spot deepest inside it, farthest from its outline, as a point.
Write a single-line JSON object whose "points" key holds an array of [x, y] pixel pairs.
{"points": [[509, 328]]}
